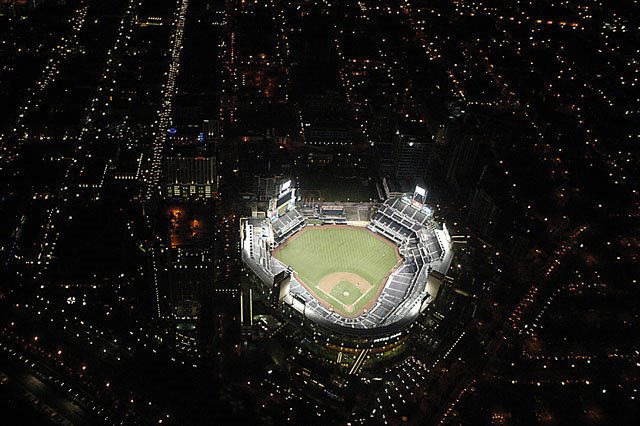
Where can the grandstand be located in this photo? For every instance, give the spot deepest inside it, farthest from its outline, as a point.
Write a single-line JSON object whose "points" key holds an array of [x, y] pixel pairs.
{"points": [[424, 245], [286, 225]]}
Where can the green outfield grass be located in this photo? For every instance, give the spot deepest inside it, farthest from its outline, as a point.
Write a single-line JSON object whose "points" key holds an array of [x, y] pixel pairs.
{"points": [[319, 251]]}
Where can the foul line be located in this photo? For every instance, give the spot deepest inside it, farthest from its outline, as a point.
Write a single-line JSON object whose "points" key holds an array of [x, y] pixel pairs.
{"points": [[318, 288], [363, 295], [339, 301]]}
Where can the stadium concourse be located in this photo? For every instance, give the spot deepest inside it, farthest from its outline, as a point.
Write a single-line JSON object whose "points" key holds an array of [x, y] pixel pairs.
{"points": [[424, 245]]}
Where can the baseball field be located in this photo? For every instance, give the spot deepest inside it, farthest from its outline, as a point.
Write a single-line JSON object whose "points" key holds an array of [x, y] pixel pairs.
{"points": [[344, 267]]}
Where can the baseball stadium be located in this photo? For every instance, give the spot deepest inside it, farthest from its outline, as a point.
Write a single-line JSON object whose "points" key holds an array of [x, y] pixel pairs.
{"points": [[362, 281]]}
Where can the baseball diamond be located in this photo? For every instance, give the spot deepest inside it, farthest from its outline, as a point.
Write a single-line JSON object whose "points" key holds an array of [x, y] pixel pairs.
{"points": [[344, 267]]}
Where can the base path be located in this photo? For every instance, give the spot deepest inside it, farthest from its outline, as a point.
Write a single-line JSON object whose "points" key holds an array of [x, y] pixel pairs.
{"points": [[328, 282]]}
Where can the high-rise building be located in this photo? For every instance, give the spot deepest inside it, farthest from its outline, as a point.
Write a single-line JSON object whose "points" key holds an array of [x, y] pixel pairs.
{"points": [[381, 131], [413, 146], [211, 131], [484, 214], [190, 178], [462, 160]]}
